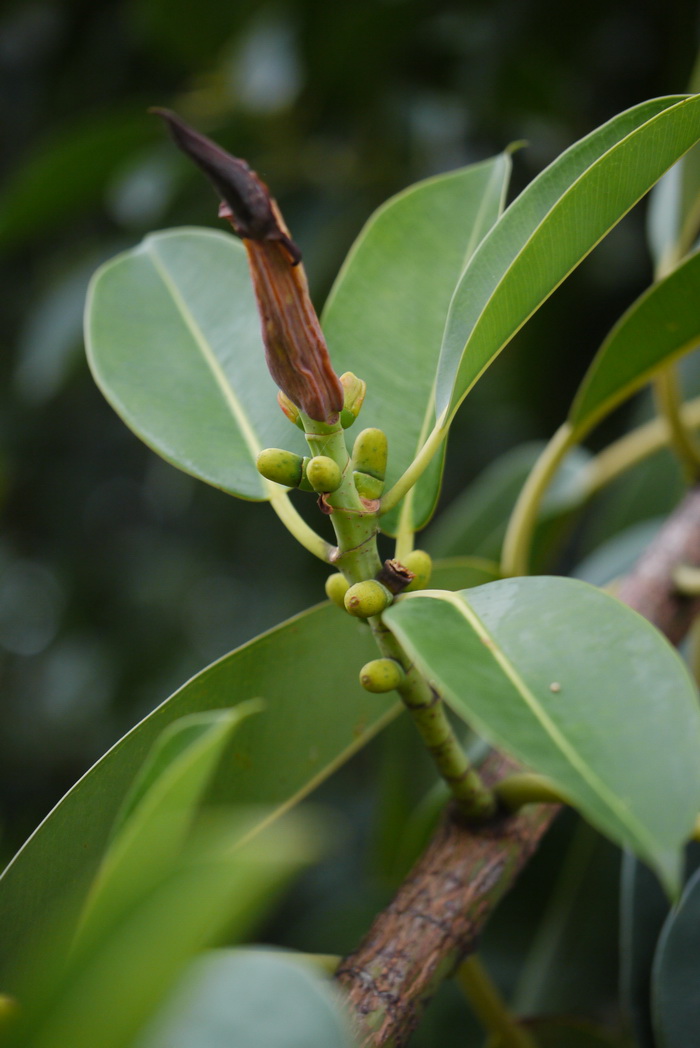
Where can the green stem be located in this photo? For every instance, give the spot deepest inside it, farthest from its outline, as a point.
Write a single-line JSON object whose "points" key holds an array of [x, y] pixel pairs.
{"points": [[633, 448], [473, 798], [521, 526], [489, 1007], [298, 527], [669, 403], [415, 470], [523, 788], [356, 528]]}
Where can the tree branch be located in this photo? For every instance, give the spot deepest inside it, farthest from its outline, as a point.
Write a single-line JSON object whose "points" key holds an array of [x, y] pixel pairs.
{"points": [[443, 905]]}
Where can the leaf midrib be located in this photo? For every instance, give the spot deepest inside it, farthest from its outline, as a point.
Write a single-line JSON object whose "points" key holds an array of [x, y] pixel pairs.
{"points": [[238, 414]]}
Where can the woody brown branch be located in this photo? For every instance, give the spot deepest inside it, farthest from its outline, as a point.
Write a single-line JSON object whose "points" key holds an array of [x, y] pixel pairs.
{"points": [[442, 907]]}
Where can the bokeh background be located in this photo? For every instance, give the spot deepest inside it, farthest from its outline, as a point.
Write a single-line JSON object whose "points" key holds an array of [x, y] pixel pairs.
{"points": [[119, 576]]}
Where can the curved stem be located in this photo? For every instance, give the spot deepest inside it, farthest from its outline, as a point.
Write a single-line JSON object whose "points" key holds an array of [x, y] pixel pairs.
{"points": [[298, 527], [527, 788], [489, 1007], [633, 448], [669, 403], [415, 470], [516, 546]]}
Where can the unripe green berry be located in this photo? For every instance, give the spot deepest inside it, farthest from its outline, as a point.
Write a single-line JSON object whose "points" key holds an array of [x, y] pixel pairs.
{"points": [[365, 599], [381, 675], [323, 474], [336, 588], [368, 487], [284, 467], [369, 453], [421, 564]]}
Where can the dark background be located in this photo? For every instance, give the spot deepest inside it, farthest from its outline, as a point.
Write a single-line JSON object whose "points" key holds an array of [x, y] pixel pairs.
{"points": [[120, 577]]}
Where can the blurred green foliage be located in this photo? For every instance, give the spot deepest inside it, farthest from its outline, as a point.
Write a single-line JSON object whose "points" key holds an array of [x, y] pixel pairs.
{"points": [[120, 577]]}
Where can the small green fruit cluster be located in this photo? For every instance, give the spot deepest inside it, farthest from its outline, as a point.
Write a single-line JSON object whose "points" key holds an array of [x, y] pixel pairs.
{"points": [[365, 599], [369, 458], [421, 564], [320, 473], [381, 675]]}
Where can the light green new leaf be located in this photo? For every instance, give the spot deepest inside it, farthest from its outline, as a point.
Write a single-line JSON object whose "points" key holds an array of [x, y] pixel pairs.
{"points": [[386, 313], [250, 997], [675, 998], [661, 325], [578, 687], [105, 992], [317, 715], [158, 814], [174, 343], [551, 227]]}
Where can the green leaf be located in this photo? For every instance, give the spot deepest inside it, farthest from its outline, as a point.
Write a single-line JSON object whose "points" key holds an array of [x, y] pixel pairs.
{"points": [[660, 326], [570, 1033], [158, 813], [386, 313], [174, 343], [476, 521], [578, 687], [554, 223], [675, 999], [317, 716], [104, 992], [250, 997], [457, 573]]}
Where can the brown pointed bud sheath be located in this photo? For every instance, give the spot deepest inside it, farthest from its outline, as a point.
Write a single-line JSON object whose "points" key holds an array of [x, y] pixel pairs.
{"points": [[295, 348]]}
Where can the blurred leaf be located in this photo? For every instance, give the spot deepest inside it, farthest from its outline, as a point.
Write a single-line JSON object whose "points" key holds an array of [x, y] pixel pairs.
{"points": [[476, 521], [158, 813], [174, 343], [675, 998], [250, 997], [554, 223], [456, 573], [603, 735], [386, 313], [103, 993], [643, 910], [317, 716], [68, 172], [660, 326]]}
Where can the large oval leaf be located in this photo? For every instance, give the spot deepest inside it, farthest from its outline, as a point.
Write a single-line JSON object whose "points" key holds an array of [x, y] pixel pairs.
{"points": [[578, 687], [675, 998], [551, 227], [317, 716], [386, 313], [660, 326], [174, 343]]}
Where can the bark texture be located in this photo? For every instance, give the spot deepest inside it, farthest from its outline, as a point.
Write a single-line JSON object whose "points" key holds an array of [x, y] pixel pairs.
{"points": [[443, 905]]}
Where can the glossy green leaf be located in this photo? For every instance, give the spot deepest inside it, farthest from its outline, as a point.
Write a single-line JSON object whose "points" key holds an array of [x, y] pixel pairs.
{"points": [[457, 573], [152, 829], [386, 313], [580, 688], [174, 343], [476, 521], [551, 227], [250, 997], [660, 326], [104, 992], [675, 998], [316, 717]]}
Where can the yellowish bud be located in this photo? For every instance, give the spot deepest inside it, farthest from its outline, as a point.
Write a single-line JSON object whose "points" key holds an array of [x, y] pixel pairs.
{"points": [[355, 390], [369, 454], [365, 599], [381, 675], [284, 467], [336, 588], [323, 474], [421, 564]]}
